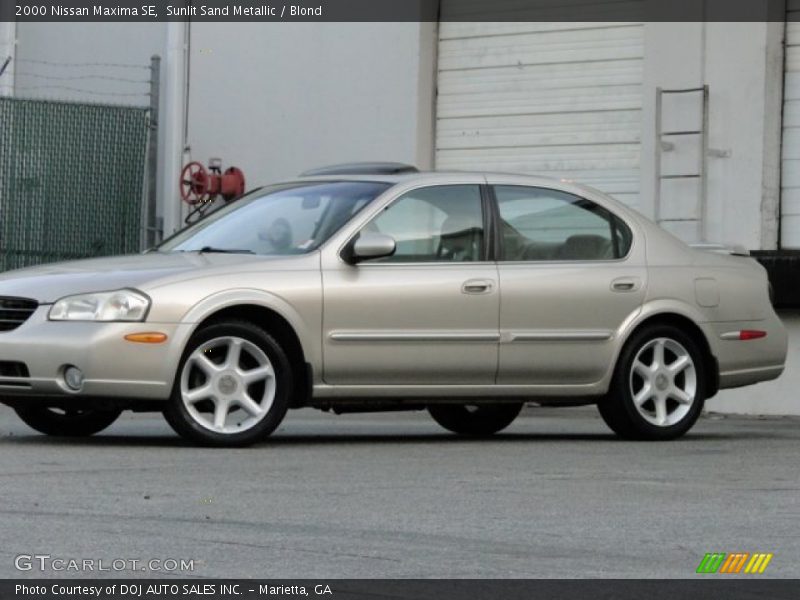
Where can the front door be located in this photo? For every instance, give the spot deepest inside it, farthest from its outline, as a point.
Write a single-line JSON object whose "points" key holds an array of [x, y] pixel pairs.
{"points": [[426, 315]]}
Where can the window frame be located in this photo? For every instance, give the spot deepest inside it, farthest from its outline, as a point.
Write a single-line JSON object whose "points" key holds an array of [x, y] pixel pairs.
{"points": [[616, 222], [487, 221]]}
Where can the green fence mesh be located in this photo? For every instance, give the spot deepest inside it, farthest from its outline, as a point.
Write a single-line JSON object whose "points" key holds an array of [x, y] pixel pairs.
{"points": [[71, 180]]}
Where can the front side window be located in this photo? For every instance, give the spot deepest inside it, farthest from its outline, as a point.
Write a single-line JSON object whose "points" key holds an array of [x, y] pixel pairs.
{"points": [[542, 224], [434, 224], [292, 218]]}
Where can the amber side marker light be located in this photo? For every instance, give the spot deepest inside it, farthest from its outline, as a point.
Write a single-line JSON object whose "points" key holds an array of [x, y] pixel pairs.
{"points": [[150, 337]]}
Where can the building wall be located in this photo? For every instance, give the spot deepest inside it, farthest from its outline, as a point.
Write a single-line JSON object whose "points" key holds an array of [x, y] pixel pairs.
{"points": [[8, 38], [95, 46], [277, 99], [741, 64]]}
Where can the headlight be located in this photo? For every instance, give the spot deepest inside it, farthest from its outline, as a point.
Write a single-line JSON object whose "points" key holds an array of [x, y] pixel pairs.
{"points": [[122, 305]]}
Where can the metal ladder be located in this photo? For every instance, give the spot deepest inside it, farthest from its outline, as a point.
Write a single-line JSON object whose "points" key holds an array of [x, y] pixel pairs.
{"points": [[665, 143]]}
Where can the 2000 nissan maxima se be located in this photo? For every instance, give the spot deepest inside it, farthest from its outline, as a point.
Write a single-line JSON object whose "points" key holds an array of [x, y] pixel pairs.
{"points": [[377, 287]]}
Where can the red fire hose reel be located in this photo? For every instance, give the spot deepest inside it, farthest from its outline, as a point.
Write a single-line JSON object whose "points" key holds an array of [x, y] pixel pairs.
{"points": [[200, 185]]}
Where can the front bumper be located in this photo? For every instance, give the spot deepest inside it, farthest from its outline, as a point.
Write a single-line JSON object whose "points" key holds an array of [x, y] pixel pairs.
{"points": [[112, 366]]}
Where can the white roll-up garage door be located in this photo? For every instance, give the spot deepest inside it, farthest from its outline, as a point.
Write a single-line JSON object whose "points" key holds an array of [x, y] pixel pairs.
{"points": [[790, 151], [556, 99]]}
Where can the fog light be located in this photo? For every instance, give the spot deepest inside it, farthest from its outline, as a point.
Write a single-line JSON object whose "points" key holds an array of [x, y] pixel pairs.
{"points": [[73, 377]]}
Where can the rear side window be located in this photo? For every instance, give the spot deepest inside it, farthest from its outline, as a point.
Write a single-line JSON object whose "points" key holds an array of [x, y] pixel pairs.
{"points": [[540, 224]]}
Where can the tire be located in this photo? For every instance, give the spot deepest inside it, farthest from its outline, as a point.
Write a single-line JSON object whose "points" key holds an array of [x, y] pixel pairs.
{"points": [[221, 400], [71, 422], [475, 420], [655, 398]]}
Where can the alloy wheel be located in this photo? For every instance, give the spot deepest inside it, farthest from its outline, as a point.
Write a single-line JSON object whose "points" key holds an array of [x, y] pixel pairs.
{"points": [[663, 382], [228, 385]]}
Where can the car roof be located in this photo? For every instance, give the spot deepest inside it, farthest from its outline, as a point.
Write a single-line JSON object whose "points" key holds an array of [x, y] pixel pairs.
{"points": [[396, 173], [434, 176], [449, 177]]}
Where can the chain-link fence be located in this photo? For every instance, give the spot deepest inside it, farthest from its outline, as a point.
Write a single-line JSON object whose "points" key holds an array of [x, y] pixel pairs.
{"points": [[71, 180]]}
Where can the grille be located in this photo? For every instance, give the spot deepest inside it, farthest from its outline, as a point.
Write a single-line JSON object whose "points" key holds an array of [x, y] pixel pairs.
{"points": [[15, 311], [9, 368]]}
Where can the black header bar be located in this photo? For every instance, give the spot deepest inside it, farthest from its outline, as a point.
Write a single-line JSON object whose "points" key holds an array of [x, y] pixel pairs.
{"points": [[397, 10], [710, 588]]}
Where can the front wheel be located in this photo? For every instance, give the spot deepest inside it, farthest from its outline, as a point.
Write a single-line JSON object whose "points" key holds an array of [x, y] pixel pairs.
{"points": [[658, 388], [475, 419], [232, 387], [67, 422]]}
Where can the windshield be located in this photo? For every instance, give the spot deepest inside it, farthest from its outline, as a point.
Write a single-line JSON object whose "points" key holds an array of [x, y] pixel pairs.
{"points": [[292, 218]]}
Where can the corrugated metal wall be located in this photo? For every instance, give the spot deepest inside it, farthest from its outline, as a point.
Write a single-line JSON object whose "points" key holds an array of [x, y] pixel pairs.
{"points": [[556, 99], [790, 152]]}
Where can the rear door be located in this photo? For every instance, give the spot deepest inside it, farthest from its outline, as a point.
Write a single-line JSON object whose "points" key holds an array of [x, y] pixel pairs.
{"points": [[571, 272]]}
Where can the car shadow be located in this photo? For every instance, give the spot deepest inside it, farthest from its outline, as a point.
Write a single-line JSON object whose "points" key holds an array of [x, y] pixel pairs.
{"points": [[334, 439]]}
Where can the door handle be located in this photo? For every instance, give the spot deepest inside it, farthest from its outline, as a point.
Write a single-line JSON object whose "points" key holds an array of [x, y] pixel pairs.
{"points": [[477, 286], [626, 284]]}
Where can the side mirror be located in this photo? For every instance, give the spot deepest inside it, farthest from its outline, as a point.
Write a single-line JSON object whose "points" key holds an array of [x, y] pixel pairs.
{"points": [[370, 245]]}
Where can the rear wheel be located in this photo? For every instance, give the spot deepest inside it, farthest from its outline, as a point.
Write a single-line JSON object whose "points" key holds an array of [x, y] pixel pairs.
{"points": [[232, 387], [68, 422], [475, 419], [658, 389]]}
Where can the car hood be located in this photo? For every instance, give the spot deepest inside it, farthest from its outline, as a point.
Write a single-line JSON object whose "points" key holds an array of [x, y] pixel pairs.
{"points": [[48, 283]]}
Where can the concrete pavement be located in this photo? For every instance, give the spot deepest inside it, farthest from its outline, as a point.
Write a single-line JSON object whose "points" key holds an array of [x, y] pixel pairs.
{"points": [[393, 495]]}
